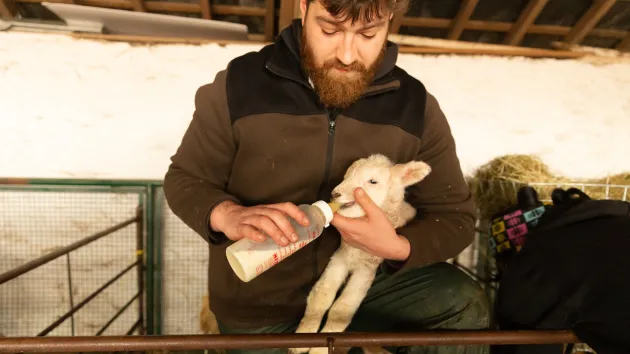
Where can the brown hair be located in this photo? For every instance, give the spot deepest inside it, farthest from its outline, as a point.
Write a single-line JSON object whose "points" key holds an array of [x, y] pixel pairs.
{"points": [[369, 9]]}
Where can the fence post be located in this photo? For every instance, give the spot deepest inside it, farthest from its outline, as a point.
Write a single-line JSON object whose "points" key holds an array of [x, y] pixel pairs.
{"points": [[140, 257]]}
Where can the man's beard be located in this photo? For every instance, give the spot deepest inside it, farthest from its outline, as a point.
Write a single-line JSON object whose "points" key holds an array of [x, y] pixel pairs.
{"points": [[344, 89]]}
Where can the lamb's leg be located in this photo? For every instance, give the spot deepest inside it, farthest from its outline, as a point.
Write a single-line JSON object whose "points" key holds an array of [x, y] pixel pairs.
{"points": [[322, 296], [344, 308]]}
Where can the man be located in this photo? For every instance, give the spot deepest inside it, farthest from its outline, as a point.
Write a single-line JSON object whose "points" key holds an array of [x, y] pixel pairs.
{"points": [[278, 128]]}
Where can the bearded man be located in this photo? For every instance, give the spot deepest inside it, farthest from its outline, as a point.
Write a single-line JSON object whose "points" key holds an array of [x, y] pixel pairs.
{"points": [[278, 128]]}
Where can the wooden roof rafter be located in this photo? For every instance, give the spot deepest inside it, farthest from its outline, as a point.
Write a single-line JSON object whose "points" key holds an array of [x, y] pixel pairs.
{"points": [[8, 9], [588, 21], [525, 20], [203, 7], [463, 15]]}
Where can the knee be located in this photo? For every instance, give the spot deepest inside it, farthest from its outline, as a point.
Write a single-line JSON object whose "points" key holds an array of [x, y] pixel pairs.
{"points": [[469, 303], [463, 303]]}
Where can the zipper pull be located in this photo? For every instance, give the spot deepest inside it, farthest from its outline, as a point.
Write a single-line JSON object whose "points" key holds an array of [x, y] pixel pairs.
{"points": [[331, 127]]}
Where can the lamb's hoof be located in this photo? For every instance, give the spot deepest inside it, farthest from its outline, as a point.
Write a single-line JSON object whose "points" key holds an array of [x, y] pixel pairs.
{"points": [[298, 350], [318, 351]]}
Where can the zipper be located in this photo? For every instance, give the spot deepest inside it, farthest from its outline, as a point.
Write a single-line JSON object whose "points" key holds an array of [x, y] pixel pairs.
{"points": [[332, 121]]}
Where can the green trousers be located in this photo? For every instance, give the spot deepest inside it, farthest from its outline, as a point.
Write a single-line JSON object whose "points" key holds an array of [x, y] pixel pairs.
{"points": [[439, 296]]}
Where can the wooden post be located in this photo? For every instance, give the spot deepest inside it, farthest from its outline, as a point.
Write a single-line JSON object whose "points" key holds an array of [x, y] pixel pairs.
{"points": [[624, 45], [287, 13], [206, 10], [8, 9], [270, 19]]}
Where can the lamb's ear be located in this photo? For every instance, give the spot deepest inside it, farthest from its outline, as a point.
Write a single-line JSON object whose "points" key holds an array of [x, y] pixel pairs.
{"points": [[410, 173]]}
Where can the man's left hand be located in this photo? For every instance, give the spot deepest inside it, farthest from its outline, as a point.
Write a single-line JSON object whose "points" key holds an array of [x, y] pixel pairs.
{"points": [[372, 233]]}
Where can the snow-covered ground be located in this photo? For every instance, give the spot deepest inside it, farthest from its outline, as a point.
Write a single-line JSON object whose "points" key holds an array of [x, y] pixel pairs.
{"points": [[87, 109]]}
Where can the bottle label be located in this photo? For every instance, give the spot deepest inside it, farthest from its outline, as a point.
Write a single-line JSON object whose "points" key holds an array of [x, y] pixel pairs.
{"points": [[282, 252]]}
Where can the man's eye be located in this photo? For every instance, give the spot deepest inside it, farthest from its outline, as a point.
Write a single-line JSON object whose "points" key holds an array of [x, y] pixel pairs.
{"points": [[368, 35], [328, 33]]}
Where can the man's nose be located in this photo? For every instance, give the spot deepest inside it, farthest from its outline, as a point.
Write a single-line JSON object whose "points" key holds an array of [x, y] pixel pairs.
{"points": [[347, 52]]}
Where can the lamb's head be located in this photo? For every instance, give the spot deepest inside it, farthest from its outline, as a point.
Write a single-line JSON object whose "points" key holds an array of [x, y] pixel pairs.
{"points": [[382, 180]]}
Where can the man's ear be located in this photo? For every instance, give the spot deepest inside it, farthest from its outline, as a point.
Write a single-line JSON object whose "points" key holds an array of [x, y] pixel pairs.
{"points": [[410, 173]]}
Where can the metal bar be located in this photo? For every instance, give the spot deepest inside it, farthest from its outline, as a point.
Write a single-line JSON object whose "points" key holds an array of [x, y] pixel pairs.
{"points": [[77, 182], [117, 314], [294, 340], [85, 301], [133, 328], [140, 256], [156, 220], [27, 267], [70, 297], [150, 263], [77, 189]]}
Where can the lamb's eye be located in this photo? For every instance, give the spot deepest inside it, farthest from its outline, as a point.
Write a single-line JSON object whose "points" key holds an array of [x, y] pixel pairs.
{"points": [[373, 181]]}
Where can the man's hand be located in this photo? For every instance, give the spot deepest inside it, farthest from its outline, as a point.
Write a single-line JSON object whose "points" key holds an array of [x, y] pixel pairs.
{"points": [[238, 222], [373, 233]]}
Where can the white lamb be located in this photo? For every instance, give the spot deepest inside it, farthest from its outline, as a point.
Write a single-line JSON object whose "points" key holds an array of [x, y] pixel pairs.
{"points": [[384, 182]]}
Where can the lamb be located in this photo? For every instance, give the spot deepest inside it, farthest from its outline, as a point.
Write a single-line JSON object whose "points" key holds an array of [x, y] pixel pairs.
{"points": [[385, 183]]}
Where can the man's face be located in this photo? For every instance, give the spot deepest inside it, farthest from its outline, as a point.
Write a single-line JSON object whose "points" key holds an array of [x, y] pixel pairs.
{"points": [[341, 57]]}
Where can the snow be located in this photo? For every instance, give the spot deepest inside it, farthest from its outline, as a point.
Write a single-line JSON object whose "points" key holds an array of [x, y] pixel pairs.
{"points": [[87, 109]]}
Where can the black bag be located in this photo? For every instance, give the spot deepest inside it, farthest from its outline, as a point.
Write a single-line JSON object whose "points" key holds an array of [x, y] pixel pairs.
{"points": [[572, 273]]}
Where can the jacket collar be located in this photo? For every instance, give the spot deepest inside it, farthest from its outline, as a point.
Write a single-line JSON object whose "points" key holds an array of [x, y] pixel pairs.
{"points": [[285, 59]]}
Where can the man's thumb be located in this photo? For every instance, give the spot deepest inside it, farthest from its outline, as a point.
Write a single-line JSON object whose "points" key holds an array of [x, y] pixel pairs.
{"points": [[365, 201]]}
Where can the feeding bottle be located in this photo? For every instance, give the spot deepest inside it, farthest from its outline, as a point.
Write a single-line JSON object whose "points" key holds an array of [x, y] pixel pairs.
{"points": [[249, 259]]}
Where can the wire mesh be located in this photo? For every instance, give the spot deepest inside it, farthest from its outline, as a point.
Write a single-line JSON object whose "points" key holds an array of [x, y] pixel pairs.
{"points": [[185, 275], [34, 222]]}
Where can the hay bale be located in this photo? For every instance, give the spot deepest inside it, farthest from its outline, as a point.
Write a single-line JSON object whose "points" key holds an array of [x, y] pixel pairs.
{"points": [[495, 184]]}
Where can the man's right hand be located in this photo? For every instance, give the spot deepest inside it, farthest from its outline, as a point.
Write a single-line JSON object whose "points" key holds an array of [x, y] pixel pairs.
{"points": [[238, 222]]}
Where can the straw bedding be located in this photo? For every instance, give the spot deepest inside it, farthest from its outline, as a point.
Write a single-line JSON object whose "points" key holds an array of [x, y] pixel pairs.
{"points": [[494, 185]]}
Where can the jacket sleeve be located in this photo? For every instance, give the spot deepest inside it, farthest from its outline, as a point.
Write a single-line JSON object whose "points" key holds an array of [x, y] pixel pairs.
{"points": [[445, 224], [200, 168]]}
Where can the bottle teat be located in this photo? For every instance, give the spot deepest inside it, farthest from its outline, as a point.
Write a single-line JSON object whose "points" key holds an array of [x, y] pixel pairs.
{"points": [[328, 209]]}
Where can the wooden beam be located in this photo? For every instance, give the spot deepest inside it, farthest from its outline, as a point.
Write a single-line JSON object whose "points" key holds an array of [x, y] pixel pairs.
{"points": [[443, 23], [287, 11], [463, 15], [138, 5], [206, 9], [166, 6], [8, 9], [465, 49], [624, 45], [588, 21], [270, 19], [497, 26], [522, 51], [525, 19], [394, 26]]}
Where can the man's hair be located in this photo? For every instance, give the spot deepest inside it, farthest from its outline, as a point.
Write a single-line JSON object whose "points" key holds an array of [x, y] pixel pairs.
{"points": [[369, 9]]}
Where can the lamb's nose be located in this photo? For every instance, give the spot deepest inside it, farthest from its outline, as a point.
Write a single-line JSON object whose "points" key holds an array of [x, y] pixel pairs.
{"points": [[335, 195]]}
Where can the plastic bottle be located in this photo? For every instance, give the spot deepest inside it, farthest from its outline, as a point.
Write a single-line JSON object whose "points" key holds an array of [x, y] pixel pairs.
{"points": [[249, 259]]}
